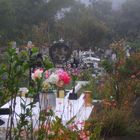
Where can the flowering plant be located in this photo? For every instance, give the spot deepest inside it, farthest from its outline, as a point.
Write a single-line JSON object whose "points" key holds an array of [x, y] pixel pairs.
{"points": [[50, 79], [37, 74], [74, 72], [64, 77]]}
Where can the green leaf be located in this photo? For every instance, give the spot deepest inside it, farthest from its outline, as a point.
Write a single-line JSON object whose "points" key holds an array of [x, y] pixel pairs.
{"points": [[71, 120]]}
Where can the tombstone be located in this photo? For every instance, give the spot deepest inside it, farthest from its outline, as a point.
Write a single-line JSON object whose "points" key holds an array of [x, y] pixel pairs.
{"points": [[14, 44], [95, 65], [113, 57], [61, 40], [107, 53], [127, 53], [29, 44], [80, 53], [45, 49]]}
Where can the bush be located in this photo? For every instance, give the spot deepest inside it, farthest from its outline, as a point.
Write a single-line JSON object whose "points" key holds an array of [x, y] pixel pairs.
{"points": [[94, 128], [114, 122], [134, 128]]}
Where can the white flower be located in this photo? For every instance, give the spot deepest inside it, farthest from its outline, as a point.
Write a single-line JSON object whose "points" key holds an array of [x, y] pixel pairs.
{"points": [[37, 74], [23, 90], [53, 79], [45, 85]]}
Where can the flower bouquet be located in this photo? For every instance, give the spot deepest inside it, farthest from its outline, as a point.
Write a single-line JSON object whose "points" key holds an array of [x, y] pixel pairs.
{"points": [[47, 81], [64, 79]]}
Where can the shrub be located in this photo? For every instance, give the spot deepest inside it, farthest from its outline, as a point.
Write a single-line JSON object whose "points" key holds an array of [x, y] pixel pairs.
{"points": [[94, 127], [114, 122]]}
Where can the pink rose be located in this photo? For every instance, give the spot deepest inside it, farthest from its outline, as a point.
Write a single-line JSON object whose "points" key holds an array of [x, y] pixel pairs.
{"points": [[37, 74], [64, 76]]}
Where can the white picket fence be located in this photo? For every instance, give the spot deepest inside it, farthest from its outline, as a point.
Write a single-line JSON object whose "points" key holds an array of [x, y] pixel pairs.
{"points": [[65, 109]]}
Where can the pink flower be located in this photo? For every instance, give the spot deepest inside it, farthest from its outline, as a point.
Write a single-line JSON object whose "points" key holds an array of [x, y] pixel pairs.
{"points": [[37, 74], [46, 74], [59, 71], [69, 65], [83, 136], [72, 127], [75, 72], [64, 76], [133, 76]]}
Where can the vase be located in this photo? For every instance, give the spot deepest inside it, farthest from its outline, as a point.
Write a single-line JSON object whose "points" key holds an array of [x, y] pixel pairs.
{"points": [[60, 93], [87, 98], [47, 100]]}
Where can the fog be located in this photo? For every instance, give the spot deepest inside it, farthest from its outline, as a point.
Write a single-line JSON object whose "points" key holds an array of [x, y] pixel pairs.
{"points": [[94, 24], [116, 4]]}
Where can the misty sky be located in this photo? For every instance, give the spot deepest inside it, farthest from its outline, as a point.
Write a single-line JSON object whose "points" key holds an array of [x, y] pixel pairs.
{"points": [[116, 4], [85, 2]]}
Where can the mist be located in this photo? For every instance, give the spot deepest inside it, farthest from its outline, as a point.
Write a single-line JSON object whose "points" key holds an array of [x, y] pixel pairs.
{"points": [[116, 4]]}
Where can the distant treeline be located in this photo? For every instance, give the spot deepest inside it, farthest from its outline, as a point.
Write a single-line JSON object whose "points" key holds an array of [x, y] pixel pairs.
{"points": [[43, 21]]}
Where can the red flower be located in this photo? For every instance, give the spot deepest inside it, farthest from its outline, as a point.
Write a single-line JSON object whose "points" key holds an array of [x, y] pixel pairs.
{"points": [[64, 76]]}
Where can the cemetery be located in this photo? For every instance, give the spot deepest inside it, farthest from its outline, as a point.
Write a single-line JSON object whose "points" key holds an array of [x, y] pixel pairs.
{"points": [[69, 70]]}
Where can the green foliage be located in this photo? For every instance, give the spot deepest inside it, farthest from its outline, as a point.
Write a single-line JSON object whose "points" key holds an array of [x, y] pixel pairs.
{"points": [[115, 122], [19, 17], [23, 124], [12, 73], [85, 75], [7, 20], [121, 75], [96, 135], [108, 66], [81, 27], [135, 45], [134, 128], [93, 87], [94, 127], [47, 63]]}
